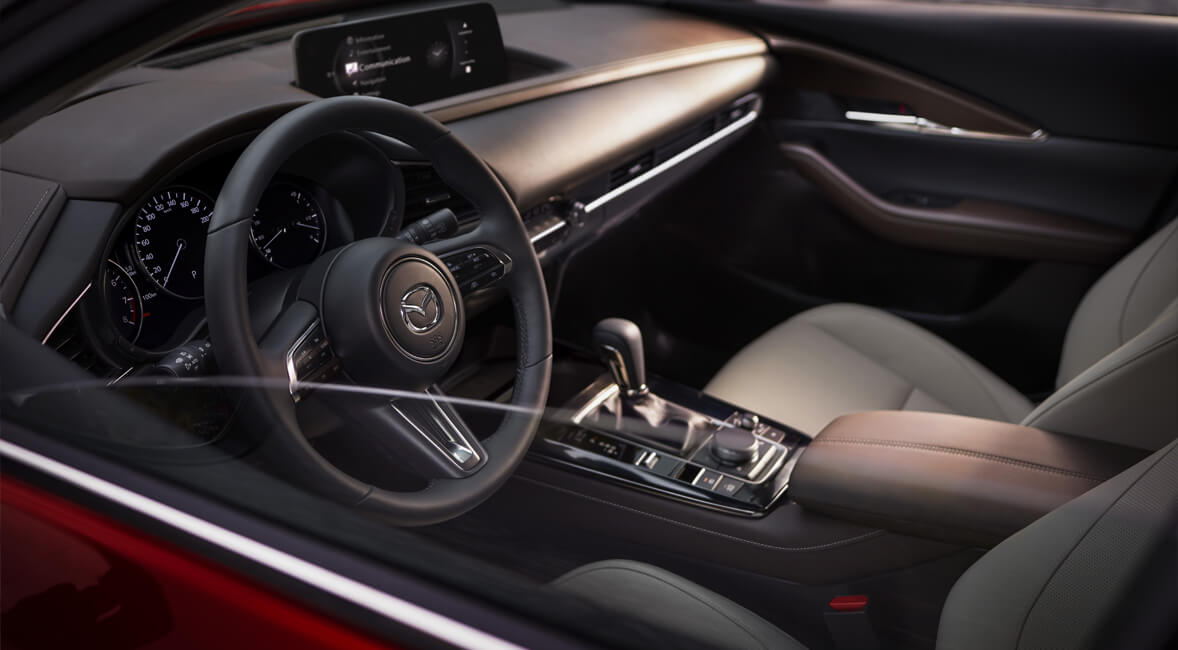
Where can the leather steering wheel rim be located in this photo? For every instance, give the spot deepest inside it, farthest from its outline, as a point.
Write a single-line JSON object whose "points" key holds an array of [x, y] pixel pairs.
{"points": [[238, 352]]}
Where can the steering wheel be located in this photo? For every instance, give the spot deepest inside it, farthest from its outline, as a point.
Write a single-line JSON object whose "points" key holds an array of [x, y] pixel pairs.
{"points": [[385, 313]]}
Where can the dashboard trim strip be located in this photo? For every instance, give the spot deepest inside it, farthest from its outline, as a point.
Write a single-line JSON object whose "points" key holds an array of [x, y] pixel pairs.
{"points": [[65, 313], [722, 134]]}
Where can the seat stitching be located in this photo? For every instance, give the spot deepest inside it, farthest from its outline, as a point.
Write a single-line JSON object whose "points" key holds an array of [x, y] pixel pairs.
{"points": [[680, 589], [952, 352], [960, 452], [1111, 371], [1133, 288], [24, 226], [788, 549]]}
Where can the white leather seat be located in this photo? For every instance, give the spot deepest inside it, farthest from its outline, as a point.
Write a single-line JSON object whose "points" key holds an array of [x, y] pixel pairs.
{"points": [[1118, 377]]}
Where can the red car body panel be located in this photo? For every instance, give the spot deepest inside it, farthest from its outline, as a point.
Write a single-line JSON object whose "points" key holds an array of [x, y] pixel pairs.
{"points": [[77, 579]]}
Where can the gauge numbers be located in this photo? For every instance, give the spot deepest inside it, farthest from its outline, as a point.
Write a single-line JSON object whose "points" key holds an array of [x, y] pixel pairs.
{"points": [[123, 301], [288, 226], [170, 232]]}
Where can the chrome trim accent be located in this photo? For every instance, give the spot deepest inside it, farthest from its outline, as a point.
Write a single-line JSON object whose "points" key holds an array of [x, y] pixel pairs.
{"points": [[456, 447], [120, 377], [917, 124], [734, 508], [291, 373], [455, 296], [66, 313], [362, 595], [550, 230], [408, 308], [763, 467], [609, 392], [621, 373], [763, 462], [673, 161]]}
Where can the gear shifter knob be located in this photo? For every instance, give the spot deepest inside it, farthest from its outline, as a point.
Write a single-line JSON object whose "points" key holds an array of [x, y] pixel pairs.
{"points": [[619, 342]]}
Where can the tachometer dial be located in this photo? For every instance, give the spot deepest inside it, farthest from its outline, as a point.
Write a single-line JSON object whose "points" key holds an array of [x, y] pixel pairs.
{"points": [[123, 300], [288, 226], [170, 232]]}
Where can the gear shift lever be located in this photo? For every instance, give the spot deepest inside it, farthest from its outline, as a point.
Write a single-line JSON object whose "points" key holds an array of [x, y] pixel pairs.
{"points": [[619, 342]]}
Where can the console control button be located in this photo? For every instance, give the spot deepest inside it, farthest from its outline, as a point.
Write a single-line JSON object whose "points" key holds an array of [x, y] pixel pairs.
{"points": [[729, 486], [707, 479], [769, 433], [647, 459]]}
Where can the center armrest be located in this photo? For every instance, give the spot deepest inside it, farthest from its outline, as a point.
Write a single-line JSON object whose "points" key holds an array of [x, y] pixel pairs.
{"points": [[948, 477]]}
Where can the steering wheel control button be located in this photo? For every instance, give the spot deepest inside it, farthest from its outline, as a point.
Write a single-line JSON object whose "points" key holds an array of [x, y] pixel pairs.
{"points": [[310, 360], [475, 268], [418, 309]]}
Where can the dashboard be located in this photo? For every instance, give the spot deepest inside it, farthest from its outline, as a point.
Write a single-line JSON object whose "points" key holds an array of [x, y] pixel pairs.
{"points": [[584, 124]]}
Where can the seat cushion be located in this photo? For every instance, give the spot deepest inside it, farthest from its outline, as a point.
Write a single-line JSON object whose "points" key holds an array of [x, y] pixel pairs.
{"points": [[673, 603], [844, 358]]}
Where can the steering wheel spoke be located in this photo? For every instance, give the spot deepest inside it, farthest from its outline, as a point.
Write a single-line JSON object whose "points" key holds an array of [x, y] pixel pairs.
{"points": [[437, 436]]}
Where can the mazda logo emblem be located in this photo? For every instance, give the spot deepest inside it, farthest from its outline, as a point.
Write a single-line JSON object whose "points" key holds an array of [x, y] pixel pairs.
{"points": [[421, 308]]}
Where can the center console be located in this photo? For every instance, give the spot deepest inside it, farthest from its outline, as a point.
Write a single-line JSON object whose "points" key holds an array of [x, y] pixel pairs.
{"points": [[664, 438], [941, 477]]}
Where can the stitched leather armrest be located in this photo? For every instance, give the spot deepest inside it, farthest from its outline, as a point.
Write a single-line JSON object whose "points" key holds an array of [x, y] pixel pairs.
{"points": [[948, 477]]}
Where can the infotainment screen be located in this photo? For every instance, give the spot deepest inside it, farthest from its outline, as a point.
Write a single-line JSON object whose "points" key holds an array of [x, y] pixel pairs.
{"points": [[411, 58]]}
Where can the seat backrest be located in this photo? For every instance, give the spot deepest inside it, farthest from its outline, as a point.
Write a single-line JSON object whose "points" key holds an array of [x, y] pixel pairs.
{"points": [[1101, 571], [1118, 375]]}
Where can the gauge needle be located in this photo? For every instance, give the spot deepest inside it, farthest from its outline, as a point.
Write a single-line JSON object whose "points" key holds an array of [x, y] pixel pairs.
{"points": [[179, 248], [280, 233], [300, 224]]}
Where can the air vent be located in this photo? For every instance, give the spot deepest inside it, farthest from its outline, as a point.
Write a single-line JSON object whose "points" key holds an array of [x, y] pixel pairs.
{"points": [[677, 143], [631, 170], [425, 193], [683, 140], [70, 343]]}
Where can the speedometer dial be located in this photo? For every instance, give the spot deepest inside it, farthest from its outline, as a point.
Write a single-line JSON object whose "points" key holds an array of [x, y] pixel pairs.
{"points": [[170, 232], [287, 228]]}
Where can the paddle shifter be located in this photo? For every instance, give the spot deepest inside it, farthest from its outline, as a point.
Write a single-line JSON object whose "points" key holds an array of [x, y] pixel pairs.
{"points": [[619, 342]]}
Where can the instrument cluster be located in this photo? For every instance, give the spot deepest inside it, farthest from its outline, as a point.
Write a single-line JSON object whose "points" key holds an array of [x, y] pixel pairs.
{"points": [[153, 281], [148, 296]]}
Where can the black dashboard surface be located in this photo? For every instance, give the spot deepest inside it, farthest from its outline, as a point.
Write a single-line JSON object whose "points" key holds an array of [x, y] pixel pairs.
{"points": [[112, 145], [586, 100]]}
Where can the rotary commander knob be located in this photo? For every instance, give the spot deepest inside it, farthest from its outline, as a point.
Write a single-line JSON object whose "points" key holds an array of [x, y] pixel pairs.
{"points": [[734, 446]]}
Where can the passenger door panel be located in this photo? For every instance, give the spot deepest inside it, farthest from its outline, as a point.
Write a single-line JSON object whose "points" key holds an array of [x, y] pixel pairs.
{"points": [[1046, 149]]}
